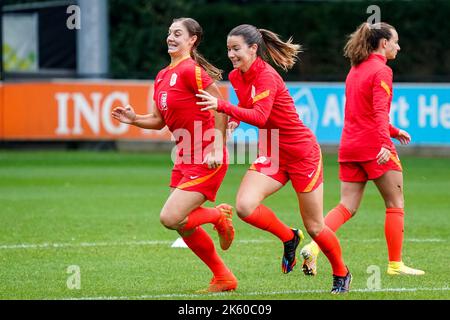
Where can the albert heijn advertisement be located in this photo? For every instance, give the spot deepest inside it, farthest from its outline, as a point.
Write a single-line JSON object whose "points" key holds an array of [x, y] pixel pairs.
{"points": [[421, 109], [81, 110]]}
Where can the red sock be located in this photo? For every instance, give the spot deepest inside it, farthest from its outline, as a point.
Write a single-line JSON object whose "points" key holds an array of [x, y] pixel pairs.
{"points": [[329, 244], [200, 216], [337, 217], [202, 245], [393, 231], [264, 218]]}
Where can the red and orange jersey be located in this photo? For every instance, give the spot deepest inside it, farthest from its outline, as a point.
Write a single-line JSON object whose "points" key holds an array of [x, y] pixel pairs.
{"points": [[174, 94], [264, 101], [368, 91]]}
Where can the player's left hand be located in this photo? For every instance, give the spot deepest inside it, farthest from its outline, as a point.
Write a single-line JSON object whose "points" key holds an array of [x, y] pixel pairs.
{"points": [[209, 101], [403, 137]]}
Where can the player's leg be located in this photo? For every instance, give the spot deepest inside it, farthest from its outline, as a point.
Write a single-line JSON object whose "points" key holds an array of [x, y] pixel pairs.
{"points": [[177, 207], [311, 208], [390, 185], [254, 188], [351, 196], [201, 179]]}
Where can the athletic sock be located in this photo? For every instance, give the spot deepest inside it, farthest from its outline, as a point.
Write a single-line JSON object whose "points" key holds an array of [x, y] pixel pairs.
{"points": [[264, 218], [393, 231], [200, 216], [337, 217], [329, 244], [202, 245]]}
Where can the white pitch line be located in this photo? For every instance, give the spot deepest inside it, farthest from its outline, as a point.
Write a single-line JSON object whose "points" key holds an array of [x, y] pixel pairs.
{"points": [[234, 294], [48, 245]]}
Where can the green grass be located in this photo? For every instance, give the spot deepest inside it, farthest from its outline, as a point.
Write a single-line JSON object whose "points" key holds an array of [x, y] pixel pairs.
{"points": [[111, 201]]}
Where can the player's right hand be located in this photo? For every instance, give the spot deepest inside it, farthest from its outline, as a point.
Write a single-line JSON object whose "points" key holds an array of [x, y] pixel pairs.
{"points": [[383, 156], [124, 114]]}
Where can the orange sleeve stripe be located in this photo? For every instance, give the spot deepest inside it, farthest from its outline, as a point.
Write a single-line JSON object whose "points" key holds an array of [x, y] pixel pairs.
{"points": [[386, 87], [198, 77], [316, 176], [396, 161], [261, 96], [198, 180]]}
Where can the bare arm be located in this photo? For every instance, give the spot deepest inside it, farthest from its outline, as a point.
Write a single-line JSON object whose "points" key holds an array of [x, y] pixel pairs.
{"points": [[127, 115]]}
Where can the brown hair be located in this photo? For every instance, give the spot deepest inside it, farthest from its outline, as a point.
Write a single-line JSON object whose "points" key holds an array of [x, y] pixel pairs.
{"points": [[283, 54], [365, 40], [194, 29]]}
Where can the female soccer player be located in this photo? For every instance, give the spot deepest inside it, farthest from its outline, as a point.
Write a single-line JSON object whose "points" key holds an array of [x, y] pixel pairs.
{"points": [[201, 161], [264, 101], [366, 151]]}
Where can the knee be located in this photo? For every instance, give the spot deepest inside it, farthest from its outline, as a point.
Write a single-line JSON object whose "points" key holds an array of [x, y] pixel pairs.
{"points": [[168, 221], [394, 204], [245, 207], [314, 228]]}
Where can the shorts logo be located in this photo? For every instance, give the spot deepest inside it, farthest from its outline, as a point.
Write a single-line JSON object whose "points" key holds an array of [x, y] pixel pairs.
{"points": [[311, 174], [163, 100], [173, 79], [261, 160], [193, 177]]}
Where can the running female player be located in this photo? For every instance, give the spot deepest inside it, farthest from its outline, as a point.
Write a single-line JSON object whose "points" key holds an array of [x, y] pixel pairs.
{"points": [[366, 151], [288, 150], [201, 161]]}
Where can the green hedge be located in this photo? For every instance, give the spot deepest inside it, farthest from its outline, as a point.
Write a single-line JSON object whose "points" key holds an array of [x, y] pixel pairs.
{"points": [[139, 27]]}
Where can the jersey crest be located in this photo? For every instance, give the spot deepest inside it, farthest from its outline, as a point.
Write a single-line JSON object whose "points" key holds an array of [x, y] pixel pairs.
{"points": [[173, 79]]}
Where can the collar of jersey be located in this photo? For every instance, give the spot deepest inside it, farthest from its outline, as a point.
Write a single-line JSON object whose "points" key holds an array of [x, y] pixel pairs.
{"points": [[171, 66], [254, 69], [378, 56]]}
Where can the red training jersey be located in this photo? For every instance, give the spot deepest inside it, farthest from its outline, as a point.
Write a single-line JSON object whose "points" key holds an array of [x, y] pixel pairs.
{"points": [[368, 92], [175, 88], [265, 102]]}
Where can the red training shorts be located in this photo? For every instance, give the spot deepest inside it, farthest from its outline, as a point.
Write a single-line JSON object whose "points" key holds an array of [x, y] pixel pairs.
{"points": [[198, 178], [367, 170], [306, 174]]}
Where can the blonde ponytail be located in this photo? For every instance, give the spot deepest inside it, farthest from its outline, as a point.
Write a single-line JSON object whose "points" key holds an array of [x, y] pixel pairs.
{"points": [[365, 40]]}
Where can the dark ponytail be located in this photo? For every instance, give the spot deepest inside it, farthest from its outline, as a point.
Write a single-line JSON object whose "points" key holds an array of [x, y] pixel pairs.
{"points": [[283, 54]]}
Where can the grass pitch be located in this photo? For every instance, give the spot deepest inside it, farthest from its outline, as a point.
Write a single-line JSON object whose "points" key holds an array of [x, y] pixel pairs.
{"points": [[86, 225]]}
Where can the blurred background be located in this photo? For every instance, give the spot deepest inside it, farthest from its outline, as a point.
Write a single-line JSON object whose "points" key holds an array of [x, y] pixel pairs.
{"points": [[67, 63]]}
